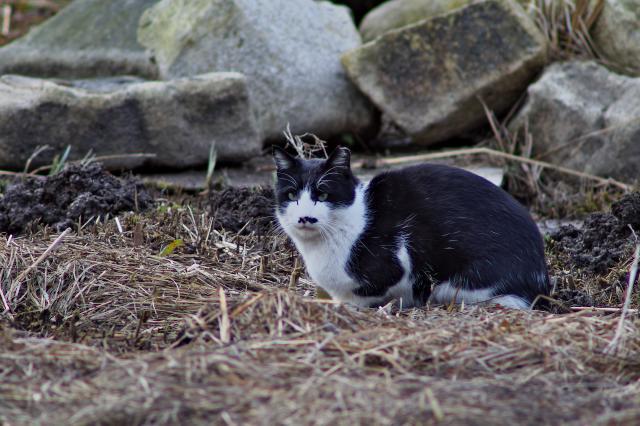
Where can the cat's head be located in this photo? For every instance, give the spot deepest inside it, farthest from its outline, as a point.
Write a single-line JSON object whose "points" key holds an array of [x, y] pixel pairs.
{"points": [[311, 194]]}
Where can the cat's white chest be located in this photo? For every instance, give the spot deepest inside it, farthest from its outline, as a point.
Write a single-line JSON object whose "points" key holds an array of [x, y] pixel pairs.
{"points": [[326, 263], [326, 257]]}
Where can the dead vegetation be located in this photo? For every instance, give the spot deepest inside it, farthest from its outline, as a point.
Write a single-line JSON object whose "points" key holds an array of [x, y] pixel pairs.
{"points": [[197, 311], [567, 25], [299, 361], [186, 314], [110, 327]]}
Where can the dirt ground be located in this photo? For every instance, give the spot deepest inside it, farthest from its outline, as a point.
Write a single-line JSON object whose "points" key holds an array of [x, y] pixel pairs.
{"points": [[605, 237], [191, 310], [79, 193], [243, 210]]}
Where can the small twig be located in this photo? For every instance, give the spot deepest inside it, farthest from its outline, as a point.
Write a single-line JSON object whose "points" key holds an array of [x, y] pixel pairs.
{"points": [[39, 260], [240, 309], [435, 405], [6, 19], [141, 320], [633, 272], [7, 308], [577, 143], [495, 153], [225, 324], [120, 230], [32, 157], [20, 174], [264, 260], [319, 347], [305, 150], [97, 159], [295, 274], [594, 309], [294, 141], [211, 166]]}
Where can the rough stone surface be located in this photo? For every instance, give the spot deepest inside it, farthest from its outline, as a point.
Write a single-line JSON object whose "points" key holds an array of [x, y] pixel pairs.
{"points": [[88, 38], [177, 120], [617, 34], [288, 49], [399, 13], [428, 77], [76, 193], [585, 117]]}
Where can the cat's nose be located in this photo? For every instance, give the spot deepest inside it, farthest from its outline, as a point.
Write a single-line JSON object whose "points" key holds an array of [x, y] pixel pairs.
{"points": [[307, 219]]}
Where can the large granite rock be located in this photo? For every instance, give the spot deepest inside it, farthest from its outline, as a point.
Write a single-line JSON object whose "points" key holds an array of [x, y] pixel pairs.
{"points": [[395, 14], [88, 38], [582, 116], [429, 77], [177, 120], [288, 49], [617, 34]]}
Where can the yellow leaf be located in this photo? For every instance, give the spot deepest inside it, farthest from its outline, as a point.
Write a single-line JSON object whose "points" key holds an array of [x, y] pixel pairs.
{"points": [[171, 247]]}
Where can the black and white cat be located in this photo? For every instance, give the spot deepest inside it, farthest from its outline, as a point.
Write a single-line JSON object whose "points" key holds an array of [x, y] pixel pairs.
{"points": [[407, 230]]}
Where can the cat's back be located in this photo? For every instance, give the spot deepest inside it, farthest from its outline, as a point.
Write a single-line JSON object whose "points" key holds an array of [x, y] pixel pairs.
{"points": [[433, 179], [439, 187], [441, 200]]}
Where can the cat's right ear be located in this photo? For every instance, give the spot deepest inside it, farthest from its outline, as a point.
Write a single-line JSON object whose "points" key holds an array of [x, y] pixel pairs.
{"points": [[340, 157], [283, 159]]}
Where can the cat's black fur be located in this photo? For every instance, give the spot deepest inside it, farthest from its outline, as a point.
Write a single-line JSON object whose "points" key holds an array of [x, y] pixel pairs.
{"points": [[341, 188], [462, 228], [458, 228]]}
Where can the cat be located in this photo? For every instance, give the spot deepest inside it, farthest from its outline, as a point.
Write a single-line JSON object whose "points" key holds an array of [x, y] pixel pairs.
{"points": [[407, 231]]}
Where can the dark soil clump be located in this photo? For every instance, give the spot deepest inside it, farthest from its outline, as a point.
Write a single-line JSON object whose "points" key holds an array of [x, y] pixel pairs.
{"points": [[250, 210], [79, 191], [604, 239]]}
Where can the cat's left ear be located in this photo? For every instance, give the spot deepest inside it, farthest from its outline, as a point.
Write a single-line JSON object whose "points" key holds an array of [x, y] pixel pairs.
{"points": [[340, 157]]}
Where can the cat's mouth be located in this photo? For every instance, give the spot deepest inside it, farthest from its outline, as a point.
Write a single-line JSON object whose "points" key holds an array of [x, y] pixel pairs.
{"points": [[306, 229]]}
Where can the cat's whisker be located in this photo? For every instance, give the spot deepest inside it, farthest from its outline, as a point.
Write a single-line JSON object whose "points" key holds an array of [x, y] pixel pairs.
{"points": [[327, 175], [287, 177], [325, 236], [329, 172], [324, 184]]}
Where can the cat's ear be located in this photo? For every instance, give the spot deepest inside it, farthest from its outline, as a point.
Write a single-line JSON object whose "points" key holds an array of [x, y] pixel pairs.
{"points": [[283, 159], [340, 157]]}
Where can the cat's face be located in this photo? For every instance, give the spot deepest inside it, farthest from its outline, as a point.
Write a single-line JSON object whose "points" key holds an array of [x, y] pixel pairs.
{"points": [[311, 193]]}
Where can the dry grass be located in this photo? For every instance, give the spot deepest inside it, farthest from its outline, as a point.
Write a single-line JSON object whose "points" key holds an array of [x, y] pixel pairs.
{"points": [[550, 190], [104, 330], [100, 286], [299, 361], [567, 25]]}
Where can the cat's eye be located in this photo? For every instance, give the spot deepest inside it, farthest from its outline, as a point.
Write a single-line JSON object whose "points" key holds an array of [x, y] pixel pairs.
{"points": [[293, 196], [323, 196]]}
